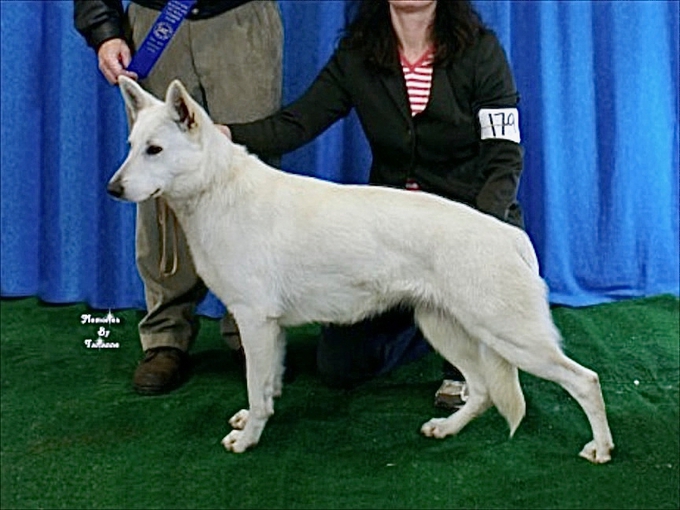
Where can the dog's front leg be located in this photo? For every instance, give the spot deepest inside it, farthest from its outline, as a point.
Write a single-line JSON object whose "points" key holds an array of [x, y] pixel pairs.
{"points": [[260, 343]]}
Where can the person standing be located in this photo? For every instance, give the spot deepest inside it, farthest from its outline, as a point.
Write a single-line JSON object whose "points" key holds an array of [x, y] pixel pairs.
{"points": [[228, 54]]}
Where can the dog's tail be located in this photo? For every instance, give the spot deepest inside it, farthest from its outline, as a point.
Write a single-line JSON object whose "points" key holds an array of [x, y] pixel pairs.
{"points": [[502, 380]]}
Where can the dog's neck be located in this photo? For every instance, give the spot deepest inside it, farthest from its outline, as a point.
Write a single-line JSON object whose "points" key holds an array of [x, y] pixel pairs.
{"points": [[224, 164]]}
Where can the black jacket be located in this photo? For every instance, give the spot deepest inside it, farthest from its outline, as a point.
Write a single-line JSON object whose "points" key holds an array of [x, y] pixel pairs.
{"points": [[441, 148], [101, 20]]}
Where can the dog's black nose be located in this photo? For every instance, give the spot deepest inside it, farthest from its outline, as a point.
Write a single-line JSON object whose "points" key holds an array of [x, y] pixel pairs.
{"points": [[115, 189]]}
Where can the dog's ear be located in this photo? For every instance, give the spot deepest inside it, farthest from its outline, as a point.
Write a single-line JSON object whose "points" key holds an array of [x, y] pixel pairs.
{"points": [[136, 98], [182, 106]]}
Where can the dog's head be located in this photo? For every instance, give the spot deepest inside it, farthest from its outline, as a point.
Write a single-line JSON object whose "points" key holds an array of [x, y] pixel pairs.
{"points": [[167, 141]]}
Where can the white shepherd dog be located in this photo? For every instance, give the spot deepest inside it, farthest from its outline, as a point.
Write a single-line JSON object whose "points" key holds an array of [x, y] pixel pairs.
{"points": [[281, 250]]}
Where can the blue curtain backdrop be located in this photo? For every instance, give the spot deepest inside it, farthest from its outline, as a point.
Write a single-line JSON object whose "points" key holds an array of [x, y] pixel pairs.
{"points": [[599, 118]]}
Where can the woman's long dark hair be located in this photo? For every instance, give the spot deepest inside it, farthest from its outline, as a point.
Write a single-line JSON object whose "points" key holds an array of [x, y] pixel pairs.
{"points": [[456, 25]]}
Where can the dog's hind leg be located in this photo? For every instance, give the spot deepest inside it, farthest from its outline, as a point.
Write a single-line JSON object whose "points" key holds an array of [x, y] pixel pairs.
{"points": [[584, 385], [490, 379], [262, 343], [532, 343]]}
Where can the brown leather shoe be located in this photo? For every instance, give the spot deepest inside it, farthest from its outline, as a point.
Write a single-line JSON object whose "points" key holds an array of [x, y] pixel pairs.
{"points": [[162, 370]]}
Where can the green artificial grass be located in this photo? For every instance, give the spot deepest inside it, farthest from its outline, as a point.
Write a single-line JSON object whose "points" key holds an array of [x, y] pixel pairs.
{"points": [[75, 435]]}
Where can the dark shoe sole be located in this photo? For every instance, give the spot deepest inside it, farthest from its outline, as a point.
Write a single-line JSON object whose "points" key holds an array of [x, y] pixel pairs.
{"points": [[451, 395], [149, 391]]}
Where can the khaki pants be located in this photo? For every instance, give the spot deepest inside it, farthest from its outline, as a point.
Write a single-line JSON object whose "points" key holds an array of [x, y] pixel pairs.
{"points": [[232, 65]]}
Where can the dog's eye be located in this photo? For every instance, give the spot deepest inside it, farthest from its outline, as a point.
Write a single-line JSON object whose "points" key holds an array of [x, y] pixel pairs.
{"points": [[153, 149]]}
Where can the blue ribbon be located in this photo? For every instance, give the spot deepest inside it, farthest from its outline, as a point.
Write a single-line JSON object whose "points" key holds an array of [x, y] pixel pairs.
{"points": [[159, 36]]}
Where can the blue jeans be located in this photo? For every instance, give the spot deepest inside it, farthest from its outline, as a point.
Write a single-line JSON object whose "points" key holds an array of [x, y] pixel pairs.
{"points": [[350, 355]]}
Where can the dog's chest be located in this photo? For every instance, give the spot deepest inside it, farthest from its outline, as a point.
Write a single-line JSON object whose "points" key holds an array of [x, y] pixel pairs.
{"points": [[217, 255]]}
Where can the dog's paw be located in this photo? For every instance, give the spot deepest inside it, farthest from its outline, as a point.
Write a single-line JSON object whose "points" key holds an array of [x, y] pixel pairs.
{"points": [[239, 420], [234, 442], [596, 455], [436, 427]]}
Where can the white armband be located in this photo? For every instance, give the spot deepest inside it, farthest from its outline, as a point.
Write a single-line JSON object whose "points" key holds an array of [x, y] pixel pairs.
{"points": [[500, 123]]}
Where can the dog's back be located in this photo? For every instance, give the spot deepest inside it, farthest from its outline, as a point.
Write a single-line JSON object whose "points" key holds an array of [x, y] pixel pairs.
{"points": [[340, 252]]}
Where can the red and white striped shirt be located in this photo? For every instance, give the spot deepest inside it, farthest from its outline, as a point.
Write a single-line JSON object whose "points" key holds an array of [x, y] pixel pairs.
{"points": [[418, 76]]}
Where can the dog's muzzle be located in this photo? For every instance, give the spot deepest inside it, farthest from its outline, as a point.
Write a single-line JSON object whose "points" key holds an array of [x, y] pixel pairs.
{"points": [[115, 188], [166, 221]]}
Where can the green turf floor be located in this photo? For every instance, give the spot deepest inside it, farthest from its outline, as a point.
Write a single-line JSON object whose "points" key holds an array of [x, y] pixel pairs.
{"points": [[75, 435]]}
